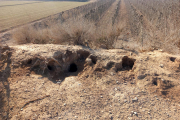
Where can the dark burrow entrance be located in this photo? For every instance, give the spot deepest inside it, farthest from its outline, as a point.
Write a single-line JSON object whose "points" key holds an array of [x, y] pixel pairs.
{"points": [[127, 63], [155, 82], [51, 68], [29, 61], [73, 67], [94, 59], [172, 59]]}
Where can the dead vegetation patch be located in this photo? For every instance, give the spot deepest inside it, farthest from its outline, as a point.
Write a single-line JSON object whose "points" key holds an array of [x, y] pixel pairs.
{"points": [[73, 31]]}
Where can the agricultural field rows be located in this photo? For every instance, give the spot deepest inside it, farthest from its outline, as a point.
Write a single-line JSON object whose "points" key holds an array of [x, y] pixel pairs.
{"points": [[107, 19], [11, 16], [153, 24]]}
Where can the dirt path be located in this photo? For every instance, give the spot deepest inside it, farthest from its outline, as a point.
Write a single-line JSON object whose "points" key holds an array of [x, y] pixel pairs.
{"points": [[124, 23], [123, 16]]}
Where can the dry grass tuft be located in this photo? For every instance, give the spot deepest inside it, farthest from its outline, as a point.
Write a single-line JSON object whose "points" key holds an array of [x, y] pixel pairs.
{"points": [[22, 35], [28, 34], [58, 34], [107, 38], [74, 31]]}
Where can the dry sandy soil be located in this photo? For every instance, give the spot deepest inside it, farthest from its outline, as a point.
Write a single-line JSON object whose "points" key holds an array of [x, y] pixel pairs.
{"points": [[73, 82]]}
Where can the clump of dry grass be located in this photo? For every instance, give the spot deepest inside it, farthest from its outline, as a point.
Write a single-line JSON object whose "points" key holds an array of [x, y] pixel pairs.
{"points": [[58, 34], [107, 37], [74, 31], [22, 35], [28, 34]]}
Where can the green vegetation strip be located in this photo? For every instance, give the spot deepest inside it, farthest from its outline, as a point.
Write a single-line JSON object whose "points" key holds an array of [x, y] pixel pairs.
{"points": [[11, 16]]}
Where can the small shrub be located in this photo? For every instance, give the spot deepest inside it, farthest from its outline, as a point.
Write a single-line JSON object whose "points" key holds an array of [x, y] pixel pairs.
{"points": [[41, 36], [62, 38], [108, 38], [78, 37], [22, 35], [28, 34], [77, 31]]}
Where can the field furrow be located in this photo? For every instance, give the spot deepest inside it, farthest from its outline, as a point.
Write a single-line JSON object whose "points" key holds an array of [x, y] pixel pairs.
{"points": [[107, 18]]}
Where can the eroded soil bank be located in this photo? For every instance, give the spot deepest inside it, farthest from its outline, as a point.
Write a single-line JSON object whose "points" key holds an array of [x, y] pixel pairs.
{"points": [[73, 82]]}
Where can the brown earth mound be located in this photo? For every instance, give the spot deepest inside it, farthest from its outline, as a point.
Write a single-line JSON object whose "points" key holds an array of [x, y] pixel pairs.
{"points": [[73, 82]]}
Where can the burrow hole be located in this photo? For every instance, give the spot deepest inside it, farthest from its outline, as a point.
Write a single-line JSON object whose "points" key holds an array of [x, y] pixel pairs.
{"points": [[164, 92], [83, 55], [110, 65], [29, 61], [154, 82], [51, 66], [73, 67], [127, 63], [94, 59], [172, 59]]}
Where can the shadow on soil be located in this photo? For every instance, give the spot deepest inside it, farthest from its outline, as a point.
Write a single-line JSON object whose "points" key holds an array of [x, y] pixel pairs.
{"points": [[57, 77], [5, 88]]}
